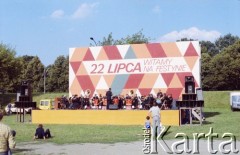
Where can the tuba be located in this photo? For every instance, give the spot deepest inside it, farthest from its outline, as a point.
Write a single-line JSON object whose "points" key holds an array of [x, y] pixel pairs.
{"points": [[87, 93]]}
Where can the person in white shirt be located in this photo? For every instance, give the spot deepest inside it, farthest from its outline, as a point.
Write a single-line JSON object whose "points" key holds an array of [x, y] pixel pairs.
{"points": [[154, 112]]}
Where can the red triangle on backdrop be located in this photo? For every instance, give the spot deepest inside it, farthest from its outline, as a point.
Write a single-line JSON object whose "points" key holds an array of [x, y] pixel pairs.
{"points": [[156, 50], [112, 52], [167, 77], [88, 56], [133, 81], [181, 76], [191, 51], [75, 65], [85, 82], [145, 91], [176, 92]]}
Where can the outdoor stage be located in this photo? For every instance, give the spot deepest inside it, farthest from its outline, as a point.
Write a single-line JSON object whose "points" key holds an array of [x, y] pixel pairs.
{"points": [[103, 117]]}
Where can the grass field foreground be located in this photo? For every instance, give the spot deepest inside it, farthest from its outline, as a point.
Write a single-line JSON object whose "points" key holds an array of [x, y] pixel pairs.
{"points": [[217, 112]]}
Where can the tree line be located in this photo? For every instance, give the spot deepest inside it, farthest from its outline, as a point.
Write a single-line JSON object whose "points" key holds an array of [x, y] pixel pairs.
{"points": [[14, 70], [219, 65]]}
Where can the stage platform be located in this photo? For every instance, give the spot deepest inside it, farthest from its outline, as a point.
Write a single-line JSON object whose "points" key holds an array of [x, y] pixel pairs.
{"points": [[103, 117]]}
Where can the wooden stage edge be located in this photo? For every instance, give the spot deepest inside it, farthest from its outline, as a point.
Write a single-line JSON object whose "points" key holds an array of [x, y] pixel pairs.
{"points": [[103, 117]]}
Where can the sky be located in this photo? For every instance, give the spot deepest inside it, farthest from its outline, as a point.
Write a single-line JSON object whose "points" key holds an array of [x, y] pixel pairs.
{"points": [[48, 28]]}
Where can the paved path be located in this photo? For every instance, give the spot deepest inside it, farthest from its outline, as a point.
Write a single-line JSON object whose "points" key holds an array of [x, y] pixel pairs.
{"points": [[133, 148]]}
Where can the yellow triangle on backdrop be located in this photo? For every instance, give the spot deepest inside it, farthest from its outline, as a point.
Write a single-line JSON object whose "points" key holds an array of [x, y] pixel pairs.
{"points": [[102, 55], [75, 87], [109, 79], [191, 61], [95, 79], [78, 54], [175, 83], [148, 80], [82, 70], [141, 51], [171, 50]]}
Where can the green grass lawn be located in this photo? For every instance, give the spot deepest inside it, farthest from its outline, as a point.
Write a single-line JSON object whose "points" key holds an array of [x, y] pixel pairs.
{"points": [[217, 112]]}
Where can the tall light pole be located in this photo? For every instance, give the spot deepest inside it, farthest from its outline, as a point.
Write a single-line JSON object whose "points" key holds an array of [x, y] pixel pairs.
{"points": [[93, 40]]}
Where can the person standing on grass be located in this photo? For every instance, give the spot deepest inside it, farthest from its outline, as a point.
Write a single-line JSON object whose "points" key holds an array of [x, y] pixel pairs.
{"points": [[147, 123], [7, 140], [9, 108], [155, 114]]}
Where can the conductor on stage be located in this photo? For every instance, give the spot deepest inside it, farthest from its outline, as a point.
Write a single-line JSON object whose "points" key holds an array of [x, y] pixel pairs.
{"points": [[109, 97]]}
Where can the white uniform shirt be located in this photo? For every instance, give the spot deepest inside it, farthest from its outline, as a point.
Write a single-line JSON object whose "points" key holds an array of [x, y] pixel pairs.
{"points": [[155, 111]]}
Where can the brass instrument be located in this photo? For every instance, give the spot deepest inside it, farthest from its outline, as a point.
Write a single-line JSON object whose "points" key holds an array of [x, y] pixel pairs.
{"points": [[87, 92]]}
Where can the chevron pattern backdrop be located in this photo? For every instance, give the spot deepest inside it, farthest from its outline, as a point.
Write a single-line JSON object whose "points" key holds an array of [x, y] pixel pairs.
{"points": [[143, 68]]}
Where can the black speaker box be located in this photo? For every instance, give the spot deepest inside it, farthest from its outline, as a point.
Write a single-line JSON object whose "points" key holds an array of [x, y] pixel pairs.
{"points": [[189, 79], [113, 107], [189, 97], [25, 83], [189, 87], [199, 93], [24, 90]]}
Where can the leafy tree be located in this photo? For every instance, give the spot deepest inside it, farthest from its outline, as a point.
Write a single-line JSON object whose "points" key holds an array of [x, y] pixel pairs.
{"points": [[27, 58], [136, 38], [107, 40], [186, 39], [225, 41], [206, 71], [10, 68], [225, 71], [34, 72], [57, 79], [233, 72], [209, 47], [48, 75]]}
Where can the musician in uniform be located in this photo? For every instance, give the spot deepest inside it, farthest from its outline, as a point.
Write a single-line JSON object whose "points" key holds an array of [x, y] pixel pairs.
{"points": [[115, 100], [143, 101], [169, 101], [121, 101], [135, 101], [159, 94], [164, 101], [128, 97], [95, 100], [109, 97], [82, 101], [100, 100]]}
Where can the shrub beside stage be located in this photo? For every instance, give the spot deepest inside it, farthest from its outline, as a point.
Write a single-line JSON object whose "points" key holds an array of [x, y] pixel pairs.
{"points": [[109, 117]]}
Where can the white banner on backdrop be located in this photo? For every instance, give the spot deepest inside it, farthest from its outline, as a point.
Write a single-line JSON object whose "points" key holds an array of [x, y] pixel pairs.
{"points": [[136, 66]]}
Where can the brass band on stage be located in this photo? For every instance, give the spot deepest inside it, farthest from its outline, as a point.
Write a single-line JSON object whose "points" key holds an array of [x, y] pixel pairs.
{"points": [[130, 101]]}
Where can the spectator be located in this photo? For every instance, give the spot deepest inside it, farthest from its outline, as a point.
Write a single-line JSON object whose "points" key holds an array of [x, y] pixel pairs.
{"points": [[155, 113], [7, 140], [13, 132], [9, 108], [147, 123], [39, 134], [48, 134]]}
